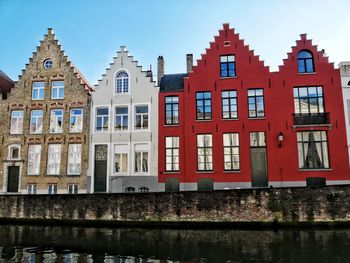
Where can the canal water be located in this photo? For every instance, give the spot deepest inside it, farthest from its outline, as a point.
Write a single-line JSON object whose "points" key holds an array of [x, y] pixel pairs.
{"points": [[81, 244]]}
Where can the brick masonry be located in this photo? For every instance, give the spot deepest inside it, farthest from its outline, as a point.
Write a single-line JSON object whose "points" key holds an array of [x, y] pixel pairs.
{"points": [[329, 204]]}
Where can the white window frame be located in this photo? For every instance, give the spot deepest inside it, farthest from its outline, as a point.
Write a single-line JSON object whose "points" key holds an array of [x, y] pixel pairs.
{"points": [[170, 153], [54, 158], [54, 126], [142, 117], [10, 147], [38, 126], [57, 89], [73, 189], [16, 122], [78, 128], [122, 115], [38, 89], [102, 116], [141, 148], [74, 157], [122, 149], [35, 151], [52, 189], [32, 189], [123, 78]]}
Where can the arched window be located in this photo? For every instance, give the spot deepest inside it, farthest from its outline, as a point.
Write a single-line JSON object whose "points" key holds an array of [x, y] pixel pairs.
{"points": [[122, 82], [130, 189], [305, 62], [14, 152], [143, 189]]}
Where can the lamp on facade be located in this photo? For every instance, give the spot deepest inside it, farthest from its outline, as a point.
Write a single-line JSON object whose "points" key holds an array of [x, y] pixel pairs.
{"points": [[280, 139]]}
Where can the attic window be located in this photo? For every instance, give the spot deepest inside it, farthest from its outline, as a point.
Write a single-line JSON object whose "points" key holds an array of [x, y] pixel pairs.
{"points": [[48, 63], [227, 43]]}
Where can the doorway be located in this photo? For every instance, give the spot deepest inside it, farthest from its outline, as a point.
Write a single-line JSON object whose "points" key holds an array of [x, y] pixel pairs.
{"points": [[12, 179], [258, 159]]}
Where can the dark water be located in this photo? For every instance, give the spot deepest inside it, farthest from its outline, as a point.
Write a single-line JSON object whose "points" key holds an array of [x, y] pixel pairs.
{"points": [[75, 244]]}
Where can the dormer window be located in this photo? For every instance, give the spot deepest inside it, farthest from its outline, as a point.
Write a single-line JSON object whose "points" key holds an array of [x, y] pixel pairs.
{"points": [[48, 63], [305, 62], [121, 82]]}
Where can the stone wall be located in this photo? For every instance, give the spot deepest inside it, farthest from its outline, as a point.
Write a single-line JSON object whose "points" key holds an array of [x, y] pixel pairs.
{"points": [[329, 204]]}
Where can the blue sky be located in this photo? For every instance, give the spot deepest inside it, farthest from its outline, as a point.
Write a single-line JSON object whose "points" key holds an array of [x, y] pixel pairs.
{"points": [[92, 31]]}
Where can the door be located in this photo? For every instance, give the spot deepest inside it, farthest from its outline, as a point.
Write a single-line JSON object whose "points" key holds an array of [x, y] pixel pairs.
{"points": [[258, 167], [13, 179], [100, 169]]}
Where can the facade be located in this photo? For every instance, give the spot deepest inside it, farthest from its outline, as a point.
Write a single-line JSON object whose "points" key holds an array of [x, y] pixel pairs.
{"points": [[231, 123], [124, 122], [44, 136], [345, 82]]}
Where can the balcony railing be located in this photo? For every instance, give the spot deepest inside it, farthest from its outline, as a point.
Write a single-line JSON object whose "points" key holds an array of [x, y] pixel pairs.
{"points": [[311, 118]]}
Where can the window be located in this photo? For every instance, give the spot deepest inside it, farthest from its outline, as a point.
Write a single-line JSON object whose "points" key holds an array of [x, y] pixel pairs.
{"points": [[16, 122], [76, 120], [121, 118], [56, 121], [256, 103], [143, 189], [34, 156], [38, 90], [172, 110], [74, 159], [204, 152], [73, 188], [102, 119], [121, 82], [231, 151], [36, 121], [308, 100], [130, 189], [14, 152], [227, 66], [257, 139], [52, 189], [313, 150], [305, 62], [172, 154], [229, 104], [31, 189], [203, 102], [54, 159], [48, 63], [57, 91], [121, 158], [141, 158], [141, 117]]}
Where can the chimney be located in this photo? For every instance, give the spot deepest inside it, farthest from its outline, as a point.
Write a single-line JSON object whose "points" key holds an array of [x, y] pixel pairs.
{"points": [[149, 73], [160, 68], [189, 62]]}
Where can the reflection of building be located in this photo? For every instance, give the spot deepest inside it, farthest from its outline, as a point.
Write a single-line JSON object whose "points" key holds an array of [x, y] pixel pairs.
{"points": [[124, 133], [44, 138], [232, 123]]}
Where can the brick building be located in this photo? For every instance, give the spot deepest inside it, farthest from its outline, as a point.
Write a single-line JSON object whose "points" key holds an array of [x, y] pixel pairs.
{"points": [[44, 136], [232, 123]]}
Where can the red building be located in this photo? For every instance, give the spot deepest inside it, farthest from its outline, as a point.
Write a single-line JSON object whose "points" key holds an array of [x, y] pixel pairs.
{"points": [[232, 123]]}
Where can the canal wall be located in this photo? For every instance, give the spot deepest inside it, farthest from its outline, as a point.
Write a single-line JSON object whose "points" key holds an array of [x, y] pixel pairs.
{"points": [[273, 206]]}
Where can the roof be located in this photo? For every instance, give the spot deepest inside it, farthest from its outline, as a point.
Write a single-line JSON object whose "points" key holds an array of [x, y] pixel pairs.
{"points": [[88, 87], [172, 82], [5, 83]]}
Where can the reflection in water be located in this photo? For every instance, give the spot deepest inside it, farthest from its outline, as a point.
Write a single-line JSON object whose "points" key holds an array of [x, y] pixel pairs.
{"points": [[77, 244]]}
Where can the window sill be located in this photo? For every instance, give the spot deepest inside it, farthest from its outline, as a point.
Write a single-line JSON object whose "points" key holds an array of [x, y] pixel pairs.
{"points": [[75, 132], [140, 130], [233, 77], [171, 172], [16, 133], [232, 171], [312, 125], [171, 125], [307, 73], [53, 175], [230, 119], [205, 172], [257, 118], [57, 98], [33, 175], [204, 120], [72, 175], [316, 170], [121, 131]]}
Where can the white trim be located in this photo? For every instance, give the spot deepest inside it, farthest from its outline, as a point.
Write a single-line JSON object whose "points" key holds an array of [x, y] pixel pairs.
{"points": [[9, 152], [129, 106], [133, 158], [134, 113], [94, 114], [128, 173]]}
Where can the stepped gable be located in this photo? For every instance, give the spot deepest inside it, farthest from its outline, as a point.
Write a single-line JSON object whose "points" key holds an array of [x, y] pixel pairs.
{"points": [[135, 62], [228, 39], [48, 40], [302, 44]]}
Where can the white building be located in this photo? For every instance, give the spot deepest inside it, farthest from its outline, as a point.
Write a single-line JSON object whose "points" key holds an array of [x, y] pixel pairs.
{"points": [[124, 129], [345, 82]]}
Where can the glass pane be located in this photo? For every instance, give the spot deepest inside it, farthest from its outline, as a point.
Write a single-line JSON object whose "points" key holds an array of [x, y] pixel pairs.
{"points": [[102, 111]]}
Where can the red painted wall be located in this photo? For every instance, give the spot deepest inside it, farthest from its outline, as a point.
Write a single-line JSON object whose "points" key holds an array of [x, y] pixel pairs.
{"points": [[279, 106]]}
